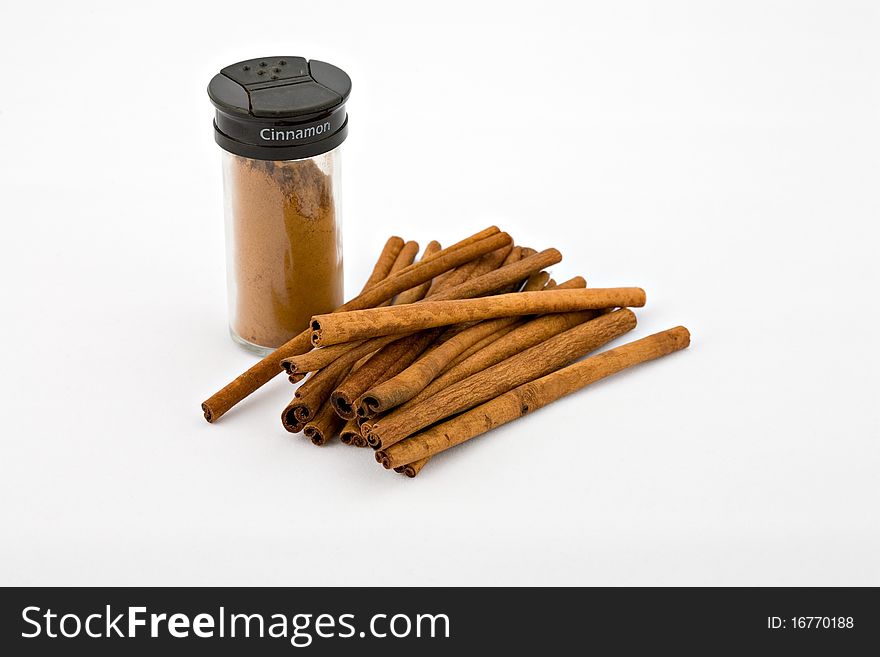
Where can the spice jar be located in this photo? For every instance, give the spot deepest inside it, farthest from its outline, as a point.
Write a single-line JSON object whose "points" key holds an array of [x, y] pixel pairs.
{"points": [[280, 122]]}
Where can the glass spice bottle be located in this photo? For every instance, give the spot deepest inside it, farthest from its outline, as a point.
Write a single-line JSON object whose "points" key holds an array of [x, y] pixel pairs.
{"points": [[280, 122]]}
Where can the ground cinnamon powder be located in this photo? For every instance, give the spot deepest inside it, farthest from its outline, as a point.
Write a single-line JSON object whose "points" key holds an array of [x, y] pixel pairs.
{"points": [[286, 246]]}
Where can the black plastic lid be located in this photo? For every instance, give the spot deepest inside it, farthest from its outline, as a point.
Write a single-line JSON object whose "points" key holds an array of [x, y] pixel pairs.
{"points": [[280, 108]]}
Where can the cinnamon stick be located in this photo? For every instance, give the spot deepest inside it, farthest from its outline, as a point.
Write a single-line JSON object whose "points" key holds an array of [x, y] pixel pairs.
{"points": [[385, 263], [311, 396], [494, 280], [472, 269], [289, 419], [296, 377], [350, 431], [418, 292], [405, 258], [325, 425], [518, 253], [491, 231], [484, 284], [412, 469], [342, 327], [530, 364], [531, 396], [416, 274]]}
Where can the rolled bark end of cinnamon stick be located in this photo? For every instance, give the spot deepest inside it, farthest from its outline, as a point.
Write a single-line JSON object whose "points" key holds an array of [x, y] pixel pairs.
{"points": [[290, 421], [325, 425], [293, 375], [682, 337], [318, 435], [368, 406], [414, 468], [209, 414], [343, 405], [315, 327], [349, 432]]}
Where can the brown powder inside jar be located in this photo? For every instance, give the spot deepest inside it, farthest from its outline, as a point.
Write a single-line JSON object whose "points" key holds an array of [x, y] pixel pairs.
{"points": [[286, 250]]}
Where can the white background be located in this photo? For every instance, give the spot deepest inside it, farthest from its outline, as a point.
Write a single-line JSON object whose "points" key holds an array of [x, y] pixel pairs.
{"points": [[724, 156]]}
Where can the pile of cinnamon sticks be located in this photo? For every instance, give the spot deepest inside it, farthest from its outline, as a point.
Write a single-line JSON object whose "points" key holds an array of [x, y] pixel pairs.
{"points": [[437, 351]]}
